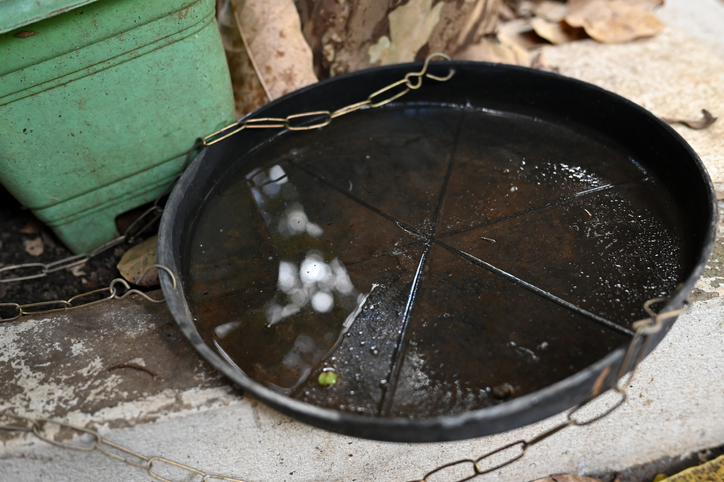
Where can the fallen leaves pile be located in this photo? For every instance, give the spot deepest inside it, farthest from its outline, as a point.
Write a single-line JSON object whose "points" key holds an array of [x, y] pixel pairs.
{"points": [[524, 26], [277, 46]]}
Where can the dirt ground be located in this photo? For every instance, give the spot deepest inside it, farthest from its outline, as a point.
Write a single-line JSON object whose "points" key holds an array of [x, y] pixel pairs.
{"points": [[18, 227]]}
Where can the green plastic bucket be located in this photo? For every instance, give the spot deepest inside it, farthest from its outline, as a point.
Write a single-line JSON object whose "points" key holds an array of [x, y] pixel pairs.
{"points": [[99, 103]]}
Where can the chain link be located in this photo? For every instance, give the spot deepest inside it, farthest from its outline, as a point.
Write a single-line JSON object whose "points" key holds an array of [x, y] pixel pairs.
{"points": [[510, 453], [87, 440], [321, 118], [118, 289]]}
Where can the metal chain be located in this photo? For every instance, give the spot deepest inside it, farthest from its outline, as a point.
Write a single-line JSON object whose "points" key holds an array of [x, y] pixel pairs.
{"points": [[512, 452], [321, 118], [118, 289], [154, 466]]}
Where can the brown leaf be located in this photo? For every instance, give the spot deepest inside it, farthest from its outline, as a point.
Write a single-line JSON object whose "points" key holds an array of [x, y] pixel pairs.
{"points": [[506, 13], [411, 26], [488, 51], [89, 284], [580, 11], [612, 21], [567, 478], [138, 260], [650, 4], [706, 120], [249, 93], [48, 240], [481, 21], [34, 226], [557, 33], [522, 9], [550, 10], [518, 34], [273, 36], [34, 247]]}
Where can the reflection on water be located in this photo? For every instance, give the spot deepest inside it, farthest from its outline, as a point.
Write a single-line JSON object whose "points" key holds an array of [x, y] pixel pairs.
{"points": [[312, 288]]}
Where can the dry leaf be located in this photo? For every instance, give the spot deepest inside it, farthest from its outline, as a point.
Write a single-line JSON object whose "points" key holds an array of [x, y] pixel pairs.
{"points": [[650, 4], [581, 11], [557, 33], [249, 93], [48, 240], [488, 51], [524, 8], [77, 271], [484, 15], [518, 33], [410, 28], [34, 226], [137, 260], [567, 478], [89, 284], [706, 120], [550, 10], [34, 247], [506, 13], [273, 35], [612, 21]]}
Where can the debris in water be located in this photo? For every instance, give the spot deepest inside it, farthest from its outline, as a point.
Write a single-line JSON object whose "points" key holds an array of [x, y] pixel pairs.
{"points": [[503, 391], [327, 378]]}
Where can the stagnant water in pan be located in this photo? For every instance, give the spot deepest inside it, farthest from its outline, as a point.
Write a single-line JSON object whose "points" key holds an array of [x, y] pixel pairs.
{"points": [[428, 260]]}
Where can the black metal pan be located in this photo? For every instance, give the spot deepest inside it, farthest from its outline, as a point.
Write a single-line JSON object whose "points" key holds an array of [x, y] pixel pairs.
{"points": [[467, 259]]}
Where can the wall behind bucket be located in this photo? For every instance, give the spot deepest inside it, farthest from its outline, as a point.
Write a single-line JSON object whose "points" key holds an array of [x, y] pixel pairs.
{"points": [[98, 106]]}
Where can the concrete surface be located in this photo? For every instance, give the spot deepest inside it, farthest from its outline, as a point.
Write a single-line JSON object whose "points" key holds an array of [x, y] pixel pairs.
{"points": [[702, 20], [58, 366]]}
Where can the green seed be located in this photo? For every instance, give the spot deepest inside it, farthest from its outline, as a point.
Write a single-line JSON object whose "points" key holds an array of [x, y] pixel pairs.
{"points": [[327, 378]]}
